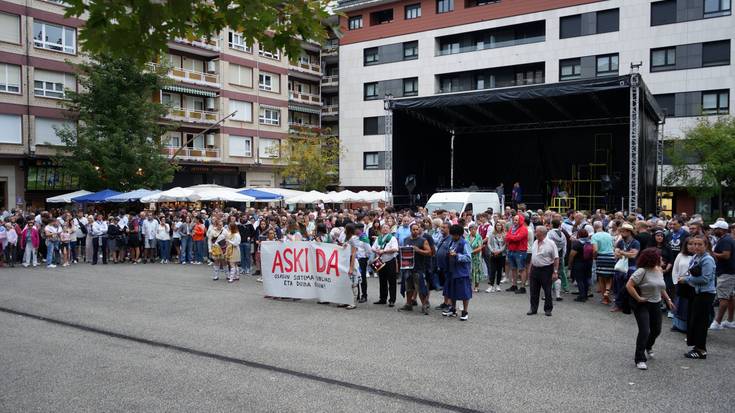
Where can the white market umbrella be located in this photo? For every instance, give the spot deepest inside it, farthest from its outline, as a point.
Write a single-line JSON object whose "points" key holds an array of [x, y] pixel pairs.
{"points": [[171, 195], [310, 197], [66, 198], [219, 194]]}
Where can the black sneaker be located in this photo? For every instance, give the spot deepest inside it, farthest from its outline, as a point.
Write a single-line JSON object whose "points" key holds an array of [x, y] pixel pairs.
{"points": [[380, 302], [521, 290], [407, 307], [465, 316], [362, 300], [442, 306], [512, 288], [449, 312], [559, 299], [391, 304]]}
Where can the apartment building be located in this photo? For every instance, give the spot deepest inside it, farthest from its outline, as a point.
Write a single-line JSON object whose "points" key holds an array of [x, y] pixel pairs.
{"points": [[330, 79], [35, 43], [430, 47]]}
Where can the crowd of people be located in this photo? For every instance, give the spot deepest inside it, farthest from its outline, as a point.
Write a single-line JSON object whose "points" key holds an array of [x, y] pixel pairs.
{"points": [[676, 266]]}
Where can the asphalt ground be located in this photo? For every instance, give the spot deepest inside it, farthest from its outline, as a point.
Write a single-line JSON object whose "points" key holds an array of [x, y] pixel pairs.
{"points": [[167, 338]]}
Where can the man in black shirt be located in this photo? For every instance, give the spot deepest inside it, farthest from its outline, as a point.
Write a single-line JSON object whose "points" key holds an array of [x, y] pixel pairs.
{"points": [[414, 280], [724, 253], [247, 236]]}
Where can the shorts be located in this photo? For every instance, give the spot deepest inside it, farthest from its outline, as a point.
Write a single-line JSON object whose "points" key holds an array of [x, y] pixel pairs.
{"points": [[725, 286], [415, 281], [150, 243], [517, 259]]}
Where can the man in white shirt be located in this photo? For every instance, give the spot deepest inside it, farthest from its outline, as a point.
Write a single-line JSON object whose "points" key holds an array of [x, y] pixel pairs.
{"points": [[544, 270], [149, 229], [53, 231], [99, 239]]}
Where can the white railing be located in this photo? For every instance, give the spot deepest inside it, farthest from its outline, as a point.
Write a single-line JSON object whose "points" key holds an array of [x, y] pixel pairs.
{"points": [[202, 154], [210, 44], [304, 97], [191, 76], [330, 110], [332, 80], [193, 115], [311, 67]]}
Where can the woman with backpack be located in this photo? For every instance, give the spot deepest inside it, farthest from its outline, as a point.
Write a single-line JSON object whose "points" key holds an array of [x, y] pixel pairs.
{"points": [[580, 262]]}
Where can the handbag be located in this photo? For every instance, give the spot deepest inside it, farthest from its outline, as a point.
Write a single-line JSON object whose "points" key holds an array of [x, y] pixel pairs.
{"points": [[621, 265], [686, 290]]}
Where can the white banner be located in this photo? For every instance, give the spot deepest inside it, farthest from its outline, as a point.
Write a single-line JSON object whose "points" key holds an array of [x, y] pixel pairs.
{"points": [[306, 270]]}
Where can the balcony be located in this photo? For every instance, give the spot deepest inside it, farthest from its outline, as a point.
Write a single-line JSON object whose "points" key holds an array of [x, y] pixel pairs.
{"points": [[313, 68], [303, 129], [330, 81], [209, 44], [304, 97], [330, 110], [191, 76], [192, 115], [192, 154]]}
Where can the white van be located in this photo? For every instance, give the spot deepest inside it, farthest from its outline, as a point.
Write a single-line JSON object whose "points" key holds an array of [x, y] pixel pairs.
{"points": [[476, 202]]}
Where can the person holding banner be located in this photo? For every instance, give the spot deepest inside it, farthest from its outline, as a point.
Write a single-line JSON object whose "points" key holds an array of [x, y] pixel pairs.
{"points": [[458, 285], [386, 248]]}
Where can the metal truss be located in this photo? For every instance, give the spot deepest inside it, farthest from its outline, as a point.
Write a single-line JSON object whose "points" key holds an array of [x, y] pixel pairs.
{"points": [[635, 131]]}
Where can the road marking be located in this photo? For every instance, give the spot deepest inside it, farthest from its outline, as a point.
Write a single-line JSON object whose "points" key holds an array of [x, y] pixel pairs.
{"points": [[248, 363]]}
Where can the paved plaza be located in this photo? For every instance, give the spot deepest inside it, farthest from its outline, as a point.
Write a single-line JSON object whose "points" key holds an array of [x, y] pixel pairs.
{"points": [[167, 338]]}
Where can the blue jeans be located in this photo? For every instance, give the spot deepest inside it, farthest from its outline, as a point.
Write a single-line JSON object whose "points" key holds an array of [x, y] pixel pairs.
{"points": [[51, 247], [199, 250], [245, 258], [517, 259], [73, 252], [165, 246], [185, 253]]}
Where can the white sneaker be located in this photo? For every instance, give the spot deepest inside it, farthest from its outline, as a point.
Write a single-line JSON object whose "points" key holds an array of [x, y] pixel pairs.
{"points": [[728, 324], [650, 354], [641, 366], [490, 289], [670, 315], [716, 326], [504, 280], [26, 265], [51, 266]]}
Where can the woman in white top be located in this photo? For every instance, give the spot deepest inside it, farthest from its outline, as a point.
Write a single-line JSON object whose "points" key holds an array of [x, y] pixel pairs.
{"points": [[163, 239], [680, 270], [216, 237], [232, 251], [386, 248]]}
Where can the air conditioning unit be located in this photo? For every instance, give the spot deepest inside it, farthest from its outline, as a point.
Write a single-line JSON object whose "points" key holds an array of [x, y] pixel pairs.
{"points": [[210, 104], [210, 139], [211, 66]]}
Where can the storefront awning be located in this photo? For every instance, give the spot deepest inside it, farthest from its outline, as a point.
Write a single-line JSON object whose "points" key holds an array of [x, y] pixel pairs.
{"points": [[190, 91], [305, 108]]}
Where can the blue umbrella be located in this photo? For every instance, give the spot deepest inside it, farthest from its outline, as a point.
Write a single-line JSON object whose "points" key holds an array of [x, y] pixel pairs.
{"points": [[132, 196], [261, 195], [95, 198]]}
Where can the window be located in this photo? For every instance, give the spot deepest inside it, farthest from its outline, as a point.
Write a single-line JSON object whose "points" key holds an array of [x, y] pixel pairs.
{"points": [[449, 84], [269, 54], [667, 102], [570, 26], [240, 75], [9, 78], [444, 6], [716, 102], [411, 86], [270, 116], [244, 110], [714, 8], [413, 11], [608, 21], [663, 12], [570, 69], [371, 56], [195, 141], [52, 84], [54, 37], [371, 90], [475, 3], [663, 57], [9, 28], [237, 42], [46, 131], [241, 146], [268, 82], [371, 160], [607, 65], [10, 125], [173, 140], [355, 22], [269, 148], [410, 50], [374, 125], [381, 17], [716, 53]]}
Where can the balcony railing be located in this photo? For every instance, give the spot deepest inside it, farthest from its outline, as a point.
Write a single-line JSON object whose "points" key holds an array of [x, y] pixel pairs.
{"points": [[210, 44], [192, 115], [332, 80], [304, 97], [191, 76], [198, 154], [330, 110], [311, 67]]}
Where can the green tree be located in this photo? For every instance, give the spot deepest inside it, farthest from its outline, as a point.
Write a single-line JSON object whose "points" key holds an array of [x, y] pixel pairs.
{"points": [[117, 141], [704, 162], [311, 158], [140, 29]]}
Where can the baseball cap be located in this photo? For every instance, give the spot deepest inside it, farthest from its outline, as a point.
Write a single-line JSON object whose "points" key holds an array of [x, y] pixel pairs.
{"points": [[720, 225]]}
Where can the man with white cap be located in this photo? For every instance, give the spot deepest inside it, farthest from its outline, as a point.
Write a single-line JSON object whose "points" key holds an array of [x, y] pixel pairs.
{"points": [[724, 254]]}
